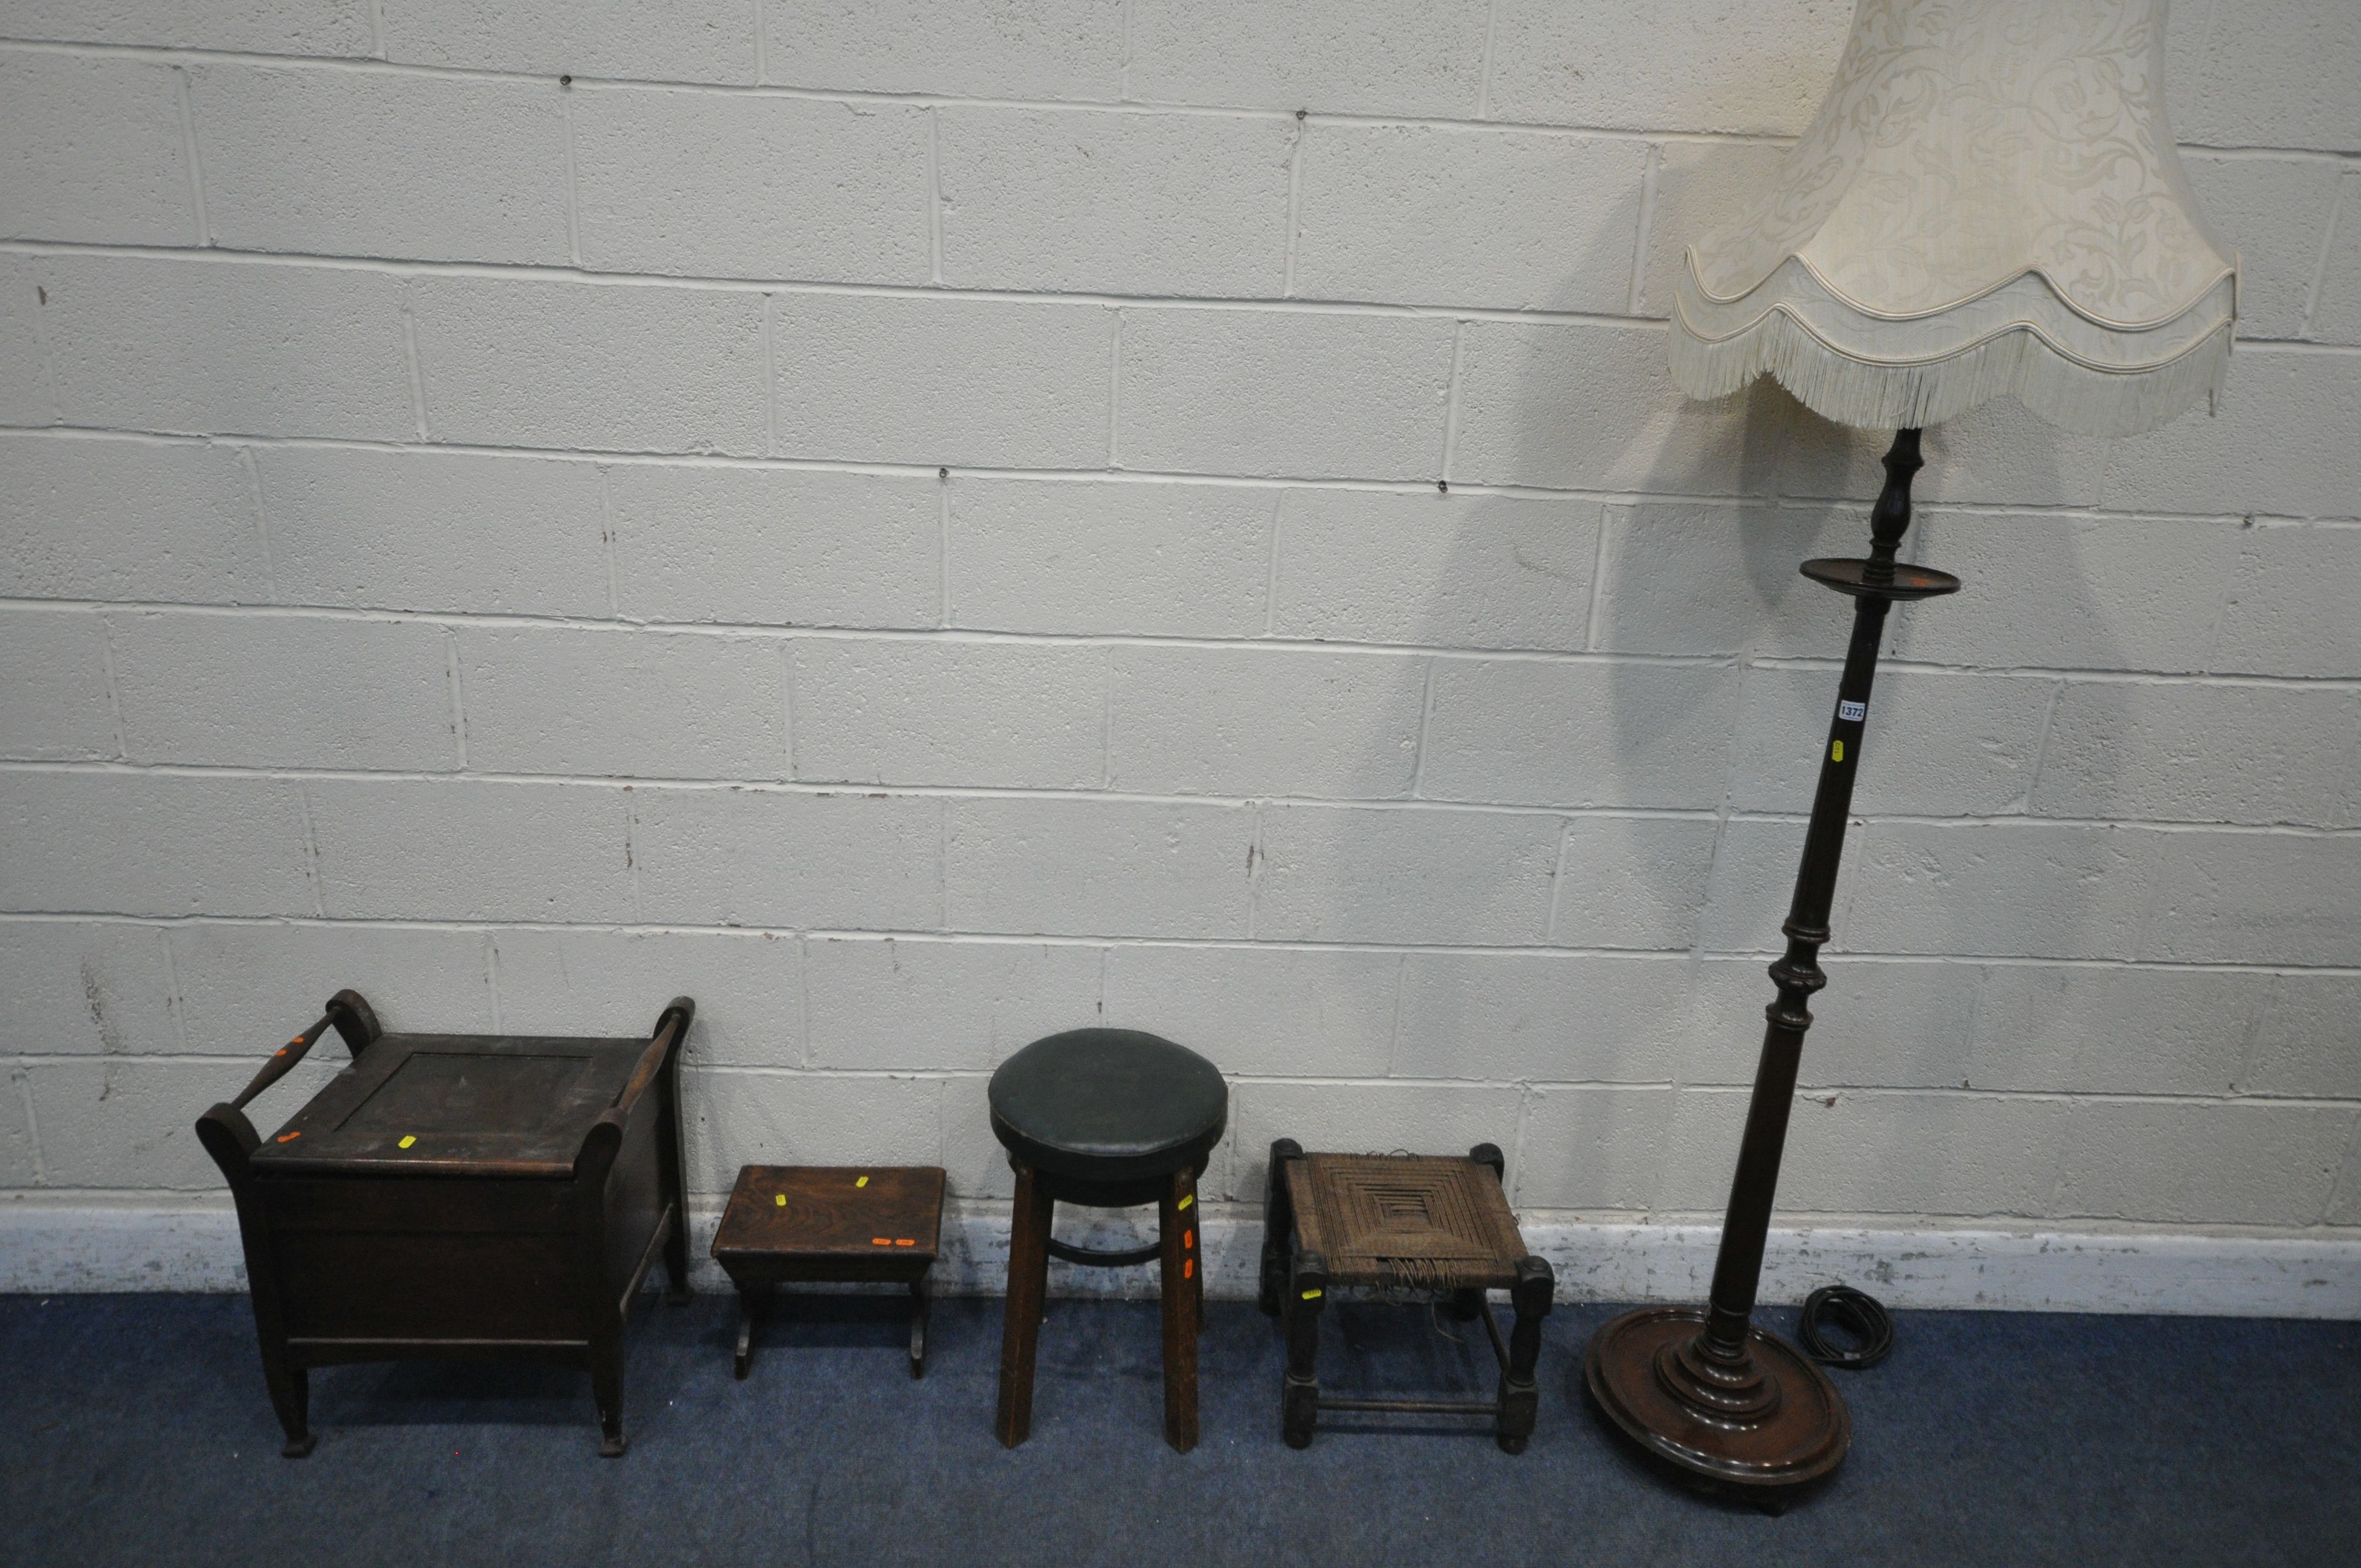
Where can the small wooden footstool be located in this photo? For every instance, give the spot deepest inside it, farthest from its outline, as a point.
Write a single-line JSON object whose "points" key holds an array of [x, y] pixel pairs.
{"points": [[809, 1223], [1401, 1221]]}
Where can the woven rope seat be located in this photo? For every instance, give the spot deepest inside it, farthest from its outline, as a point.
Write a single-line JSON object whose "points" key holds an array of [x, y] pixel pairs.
{"points": [[1405, 1222]]}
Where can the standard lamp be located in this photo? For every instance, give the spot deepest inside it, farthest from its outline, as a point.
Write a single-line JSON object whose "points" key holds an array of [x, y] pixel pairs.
{"points": [[1988, 202]]}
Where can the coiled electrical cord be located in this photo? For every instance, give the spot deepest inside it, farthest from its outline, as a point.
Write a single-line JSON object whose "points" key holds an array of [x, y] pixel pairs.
{"points": [[1856, 1312]]}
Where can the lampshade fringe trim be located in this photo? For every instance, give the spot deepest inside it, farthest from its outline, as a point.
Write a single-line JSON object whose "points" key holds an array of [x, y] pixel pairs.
{"points": [[1891, 397]]}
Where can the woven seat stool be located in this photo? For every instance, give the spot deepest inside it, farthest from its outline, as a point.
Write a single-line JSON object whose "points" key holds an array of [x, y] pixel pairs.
{"points": [[1399, 1221], [1109, 1119]]}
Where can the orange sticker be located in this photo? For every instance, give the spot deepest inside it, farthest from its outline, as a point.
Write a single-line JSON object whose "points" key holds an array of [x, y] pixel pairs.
{"points": [[1188, 1238], [881, 1241], [289, 1137], [905, 1241], [1189, 1269]]}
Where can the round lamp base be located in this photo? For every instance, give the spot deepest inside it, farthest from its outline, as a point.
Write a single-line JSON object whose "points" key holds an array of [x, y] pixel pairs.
{"points": [[1766, 1423]]}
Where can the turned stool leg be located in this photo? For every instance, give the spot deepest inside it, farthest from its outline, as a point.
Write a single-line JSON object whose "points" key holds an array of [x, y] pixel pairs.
{"points": [[1465, 1305], [1307, 1291], [1278, 1225], [607, 1384], [1520, 1398], [290, 1396], [1020, 1329], [1177, 1233], [918, 1326], [1197, 1252], [745, 1331]]}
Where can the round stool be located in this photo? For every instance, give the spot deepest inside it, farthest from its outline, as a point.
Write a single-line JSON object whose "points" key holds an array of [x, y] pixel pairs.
{"points": [[1109, 1119]]}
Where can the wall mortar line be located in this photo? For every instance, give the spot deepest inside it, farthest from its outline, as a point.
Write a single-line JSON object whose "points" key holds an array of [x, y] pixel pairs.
{"points": [[573, 182], [952, 938], [935, 195], [1450, 401], [1294, 204], [179, 1003], [114, 692], [1484, 75], [1650, 171], [184, 93], [608, 546]]}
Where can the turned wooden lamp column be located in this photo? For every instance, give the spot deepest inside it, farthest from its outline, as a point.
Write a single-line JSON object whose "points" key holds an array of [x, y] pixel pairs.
{"points": [[1714, 1393], [1988, 202]]}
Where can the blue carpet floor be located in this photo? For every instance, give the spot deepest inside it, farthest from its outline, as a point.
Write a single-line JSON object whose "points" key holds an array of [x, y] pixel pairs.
{"points": [[135, 1429]]}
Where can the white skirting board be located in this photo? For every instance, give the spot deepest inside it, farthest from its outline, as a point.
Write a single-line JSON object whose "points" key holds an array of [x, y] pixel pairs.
{"points": [[76, 1245]]}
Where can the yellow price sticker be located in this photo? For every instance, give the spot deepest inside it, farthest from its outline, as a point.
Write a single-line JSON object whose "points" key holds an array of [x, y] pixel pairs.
{"points": [[1312, 1295], [1836, 751], [780, 1199], [863, 1183], [1186, 1198], [407, 1139]]}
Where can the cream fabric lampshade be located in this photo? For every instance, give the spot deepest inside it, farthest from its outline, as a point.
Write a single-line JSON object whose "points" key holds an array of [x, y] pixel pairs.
{"points": [[1988, 202]]}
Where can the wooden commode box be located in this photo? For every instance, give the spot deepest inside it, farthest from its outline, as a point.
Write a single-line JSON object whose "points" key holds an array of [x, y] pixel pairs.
{"points": [[472, 1195]]}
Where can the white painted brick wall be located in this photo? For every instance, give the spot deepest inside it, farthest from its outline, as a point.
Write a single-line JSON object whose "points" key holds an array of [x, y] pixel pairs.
{"points": [[129, 520], [1020, 48], [284, 691], [772, 547], [1401, 56], [1717, 65], [903, 712], [603, 702], [328, 162], [1332, 725], [901, 378], [1160, 561], [1442, 570], [94, 150], [1420, 214], [732, 185], [332, 28], [55, 708], [357, 528], [506, 363], [924, 525], [1083, 201], [1283, 393], [220, 347], [682, 40]]}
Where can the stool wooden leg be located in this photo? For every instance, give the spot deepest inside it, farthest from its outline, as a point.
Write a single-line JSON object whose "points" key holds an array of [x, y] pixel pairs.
{"points": [[918, 1327], [1520, 1398], [607, 1384], [1020, 1330], [1307, 1292], [1177, 1232], [1278, 1225], [745, 1331], [1465, 1305], [290, 1396], [1197, 1252]]}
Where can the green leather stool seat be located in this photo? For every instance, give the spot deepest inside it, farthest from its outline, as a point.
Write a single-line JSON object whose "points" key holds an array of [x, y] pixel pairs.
{"points": [[1108, 1105]]}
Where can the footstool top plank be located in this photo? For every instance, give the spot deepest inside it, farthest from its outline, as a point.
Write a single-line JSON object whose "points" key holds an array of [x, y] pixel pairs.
{"points": [[809, 1212]]}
